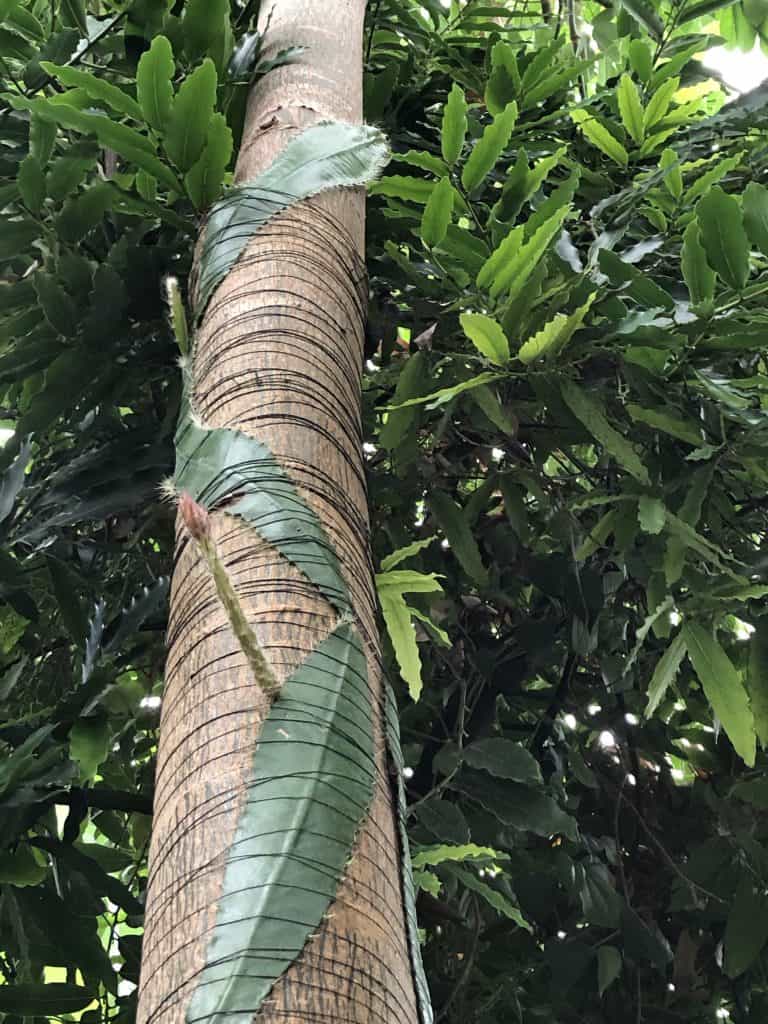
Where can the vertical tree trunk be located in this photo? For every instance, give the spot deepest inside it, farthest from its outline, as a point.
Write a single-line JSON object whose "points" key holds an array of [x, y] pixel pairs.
{"points": [[279, 357]]}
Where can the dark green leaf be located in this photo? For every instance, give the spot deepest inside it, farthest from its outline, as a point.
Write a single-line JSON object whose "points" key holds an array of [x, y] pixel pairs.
{"points": [[44, 1000], [746, 930], [455, 527], [723, 237], [186, 131], [489, 147]]}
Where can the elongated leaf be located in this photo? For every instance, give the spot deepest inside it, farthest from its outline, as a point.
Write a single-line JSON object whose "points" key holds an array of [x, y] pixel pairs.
{"points": [[526, 808], [489, 147], [329, 155], [434, 855], [309, 789], [699, 277], [757, 679], [454, 125], [665, 673], [438, 398], [437, 213], [493, 897], [673, 178], [645, 15], [712, 176], [186, 131], [512, 276], [641, 59], [599, 136], [221, 467], [658, 104], [12, 480], [504, 759], [154, 87], [487, 336], [755, 204], [454, 525], [631, 109], [207, 30], [746, 931], [587, 410], [123, 140], [205, 179], [608, 967], [660, 419], [97, 89], [663, 608], [402, 633], [723, 236], [505, 251], [44, 1000], [31, 182], [407, 581], [723, 687], [406, 552], [555, 335], [392, 735], [403, 186]]}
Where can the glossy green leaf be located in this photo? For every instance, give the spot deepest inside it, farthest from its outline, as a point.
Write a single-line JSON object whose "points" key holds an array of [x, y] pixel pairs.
{"points": [[186, 130], [665, 673], [454, 125], [587, 410], [309, 789], [757, 679], [328, 155], [489, 147], [31, 182], [658, 104], [641, 59], [702, 182], [630, 108], [513, 275], [451, 520], [154, 86], [205, 179], [432, 856], [555, 335], [600, 136], [97, 89], [723, 236], [699, 277], [673, 178], [608, 968], [406, 552], [487, 336], [443, 395], [504, 759], [723, 687], [755, 206], [402, 634], [437, 213], [746, 930]]}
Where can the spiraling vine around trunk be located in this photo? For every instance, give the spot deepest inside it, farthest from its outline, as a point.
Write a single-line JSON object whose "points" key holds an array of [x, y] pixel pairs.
{"points": [[313, 770]]}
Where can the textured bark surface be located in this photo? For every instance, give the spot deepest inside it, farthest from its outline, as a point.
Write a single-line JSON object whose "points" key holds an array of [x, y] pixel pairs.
{"points": [[279, 356]]}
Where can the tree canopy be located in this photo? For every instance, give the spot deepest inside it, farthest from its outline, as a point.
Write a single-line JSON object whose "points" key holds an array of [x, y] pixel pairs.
{"points": [[566, 409]]}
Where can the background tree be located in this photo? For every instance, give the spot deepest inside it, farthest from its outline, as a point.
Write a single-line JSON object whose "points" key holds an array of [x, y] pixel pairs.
{"points": [[574, 494]]}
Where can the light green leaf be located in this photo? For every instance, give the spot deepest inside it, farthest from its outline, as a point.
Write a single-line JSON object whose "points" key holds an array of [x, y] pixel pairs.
{"points": [[505, 251], [325, 156], [587, 410], [630, 108], [437, 213], [402, 634], [451, 520], [599, 136], [746, 930], [723, 236], [717, 173], [665, 673], [658, 104], [757, 678], [454, 125], [407, 552], [433, 855], [755, 205], [97, 89], [660, 419], [641, 59], [89, 740], [597, 535], [489, 147], [31, 181], [403, 186], [513, 274], [204, 180], [154, 86], [608, 968], [438, 398], [673, 179], [555, 335], [651, 514], [426, 161], [428, 881], [407, 581], [487, 336], [723, 688], [492, 897], [699, 277], [187, 129]]}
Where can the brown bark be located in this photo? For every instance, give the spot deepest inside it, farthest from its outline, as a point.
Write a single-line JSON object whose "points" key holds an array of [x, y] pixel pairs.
{"points": [[279, 356]]}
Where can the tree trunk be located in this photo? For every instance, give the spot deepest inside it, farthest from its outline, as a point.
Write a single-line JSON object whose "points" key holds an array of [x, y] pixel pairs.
{"points": [[279, 357]]}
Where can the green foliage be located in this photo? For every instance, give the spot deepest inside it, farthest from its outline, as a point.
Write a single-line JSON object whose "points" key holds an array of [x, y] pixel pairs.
{"points": [[608, 464]]}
